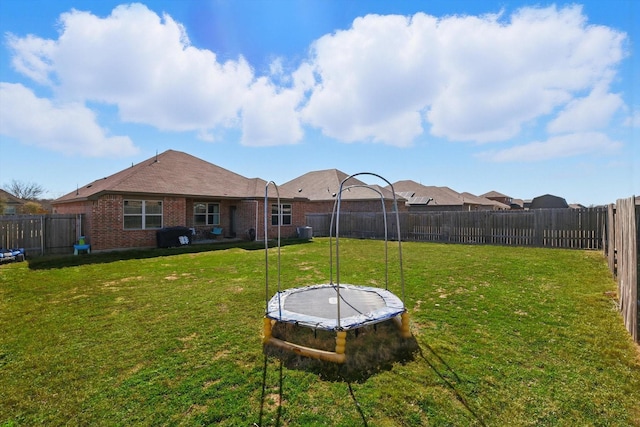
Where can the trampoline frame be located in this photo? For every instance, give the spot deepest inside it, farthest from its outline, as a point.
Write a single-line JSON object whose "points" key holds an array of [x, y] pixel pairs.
{"points": [[395, 306]]}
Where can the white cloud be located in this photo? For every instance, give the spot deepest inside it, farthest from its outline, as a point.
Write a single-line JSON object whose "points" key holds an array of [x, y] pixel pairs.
{"points": [[269, 115], [32, 57], [68, 128], [141, 63], [477, 78], [592, 112], [505, 75], [387, 79], [633, 120], [555, 147], [375, 78]]}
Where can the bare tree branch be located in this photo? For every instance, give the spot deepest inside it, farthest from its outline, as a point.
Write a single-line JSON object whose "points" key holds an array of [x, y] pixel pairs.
{"points": [[25, 190]]}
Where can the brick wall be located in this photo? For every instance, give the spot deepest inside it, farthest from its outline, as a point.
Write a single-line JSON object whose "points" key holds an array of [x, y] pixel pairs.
{"points": [[104, 221], [301, 208], [174, 210], [104, 218], [249, 216]]}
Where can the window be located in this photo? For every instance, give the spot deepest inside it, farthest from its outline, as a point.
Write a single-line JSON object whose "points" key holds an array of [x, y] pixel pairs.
{"points": [[286, 214], [142, 214], [206, 213]]}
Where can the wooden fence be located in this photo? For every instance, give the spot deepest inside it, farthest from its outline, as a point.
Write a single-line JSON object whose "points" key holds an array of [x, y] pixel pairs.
{"points": [[622, 251], [614, 229], [40, 234], [553, 228]]}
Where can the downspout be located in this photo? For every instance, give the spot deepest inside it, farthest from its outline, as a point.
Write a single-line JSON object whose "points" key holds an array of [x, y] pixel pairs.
{"points": [[255, 238]]}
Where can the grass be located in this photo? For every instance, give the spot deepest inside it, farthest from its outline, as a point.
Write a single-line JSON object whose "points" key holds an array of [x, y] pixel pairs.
{"points": [[502, 336]]}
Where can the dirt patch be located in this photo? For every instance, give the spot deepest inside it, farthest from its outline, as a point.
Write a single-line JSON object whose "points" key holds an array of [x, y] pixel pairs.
{"points": [[272, 401], [210, 384], [196, 409], [221, 355], [188, 337]]}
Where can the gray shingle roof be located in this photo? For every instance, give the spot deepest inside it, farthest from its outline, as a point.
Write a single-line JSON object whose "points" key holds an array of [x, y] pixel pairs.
{"points": [[482, 201], [495, 194], [323, 185], [173, 173], [10, 198], [442, 196]]}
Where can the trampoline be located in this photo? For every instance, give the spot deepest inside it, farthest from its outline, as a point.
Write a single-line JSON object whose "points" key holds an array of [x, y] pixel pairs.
{"points": [[316, 306], [333, 306]]}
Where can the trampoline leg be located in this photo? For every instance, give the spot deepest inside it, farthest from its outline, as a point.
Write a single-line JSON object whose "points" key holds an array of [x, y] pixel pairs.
{"points": [[267, 330], [341, 342], [405, 331]]}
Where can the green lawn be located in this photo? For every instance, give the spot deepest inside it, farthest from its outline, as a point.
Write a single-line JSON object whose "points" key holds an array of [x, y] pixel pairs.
{"points": [[503, 336]]}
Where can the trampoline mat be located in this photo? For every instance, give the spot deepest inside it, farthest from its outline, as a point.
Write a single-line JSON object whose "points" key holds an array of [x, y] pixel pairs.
{"points": [[317, 306]]}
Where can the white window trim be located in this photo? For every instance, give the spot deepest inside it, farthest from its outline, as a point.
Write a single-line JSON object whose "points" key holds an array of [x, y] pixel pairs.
{"points": [[144, 214], [276, 216], [206, 214]]}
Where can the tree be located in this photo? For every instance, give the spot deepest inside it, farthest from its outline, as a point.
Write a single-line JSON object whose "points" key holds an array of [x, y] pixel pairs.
{"points": [[33, 208], [25, 190]]}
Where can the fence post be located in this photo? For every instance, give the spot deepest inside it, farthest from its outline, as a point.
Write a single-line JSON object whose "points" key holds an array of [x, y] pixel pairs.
{"points": [[538, 228], [627, 241], [42, 239], [611, 238]]}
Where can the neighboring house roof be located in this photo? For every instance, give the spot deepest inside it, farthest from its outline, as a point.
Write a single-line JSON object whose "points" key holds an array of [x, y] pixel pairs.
{"points": [[517, 202], [10, 198], [323, 185], [494, 194], [12, 203], [503, 199], [472, 199], [418, 194], [173, 173], [548, 201]]}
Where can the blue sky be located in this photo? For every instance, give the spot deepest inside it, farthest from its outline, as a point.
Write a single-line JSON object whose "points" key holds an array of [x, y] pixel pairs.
{"points": [[524, 98]]}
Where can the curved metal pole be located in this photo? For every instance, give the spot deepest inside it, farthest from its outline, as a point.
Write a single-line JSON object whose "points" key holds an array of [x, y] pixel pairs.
{"points": [[333, 213], [395, 206], [266, 243], [384, 213]]}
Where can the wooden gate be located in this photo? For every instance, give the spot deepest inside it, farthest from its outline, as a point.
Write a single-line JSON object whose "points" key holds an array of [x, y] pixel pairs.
{"points": [[41, 234]]}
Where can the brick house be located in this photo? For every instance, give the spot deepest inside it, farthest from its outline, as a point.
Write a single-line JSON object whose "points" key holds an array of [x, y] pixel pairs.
{"points": [[10, 204], [320, 189], [126, 209], [422, 198], [504, 199]]}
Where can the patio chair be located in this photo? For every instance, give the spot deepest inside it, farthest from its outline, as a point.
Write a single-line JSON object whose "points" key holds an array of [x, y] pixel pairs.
{"points": [[216, 232]]}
